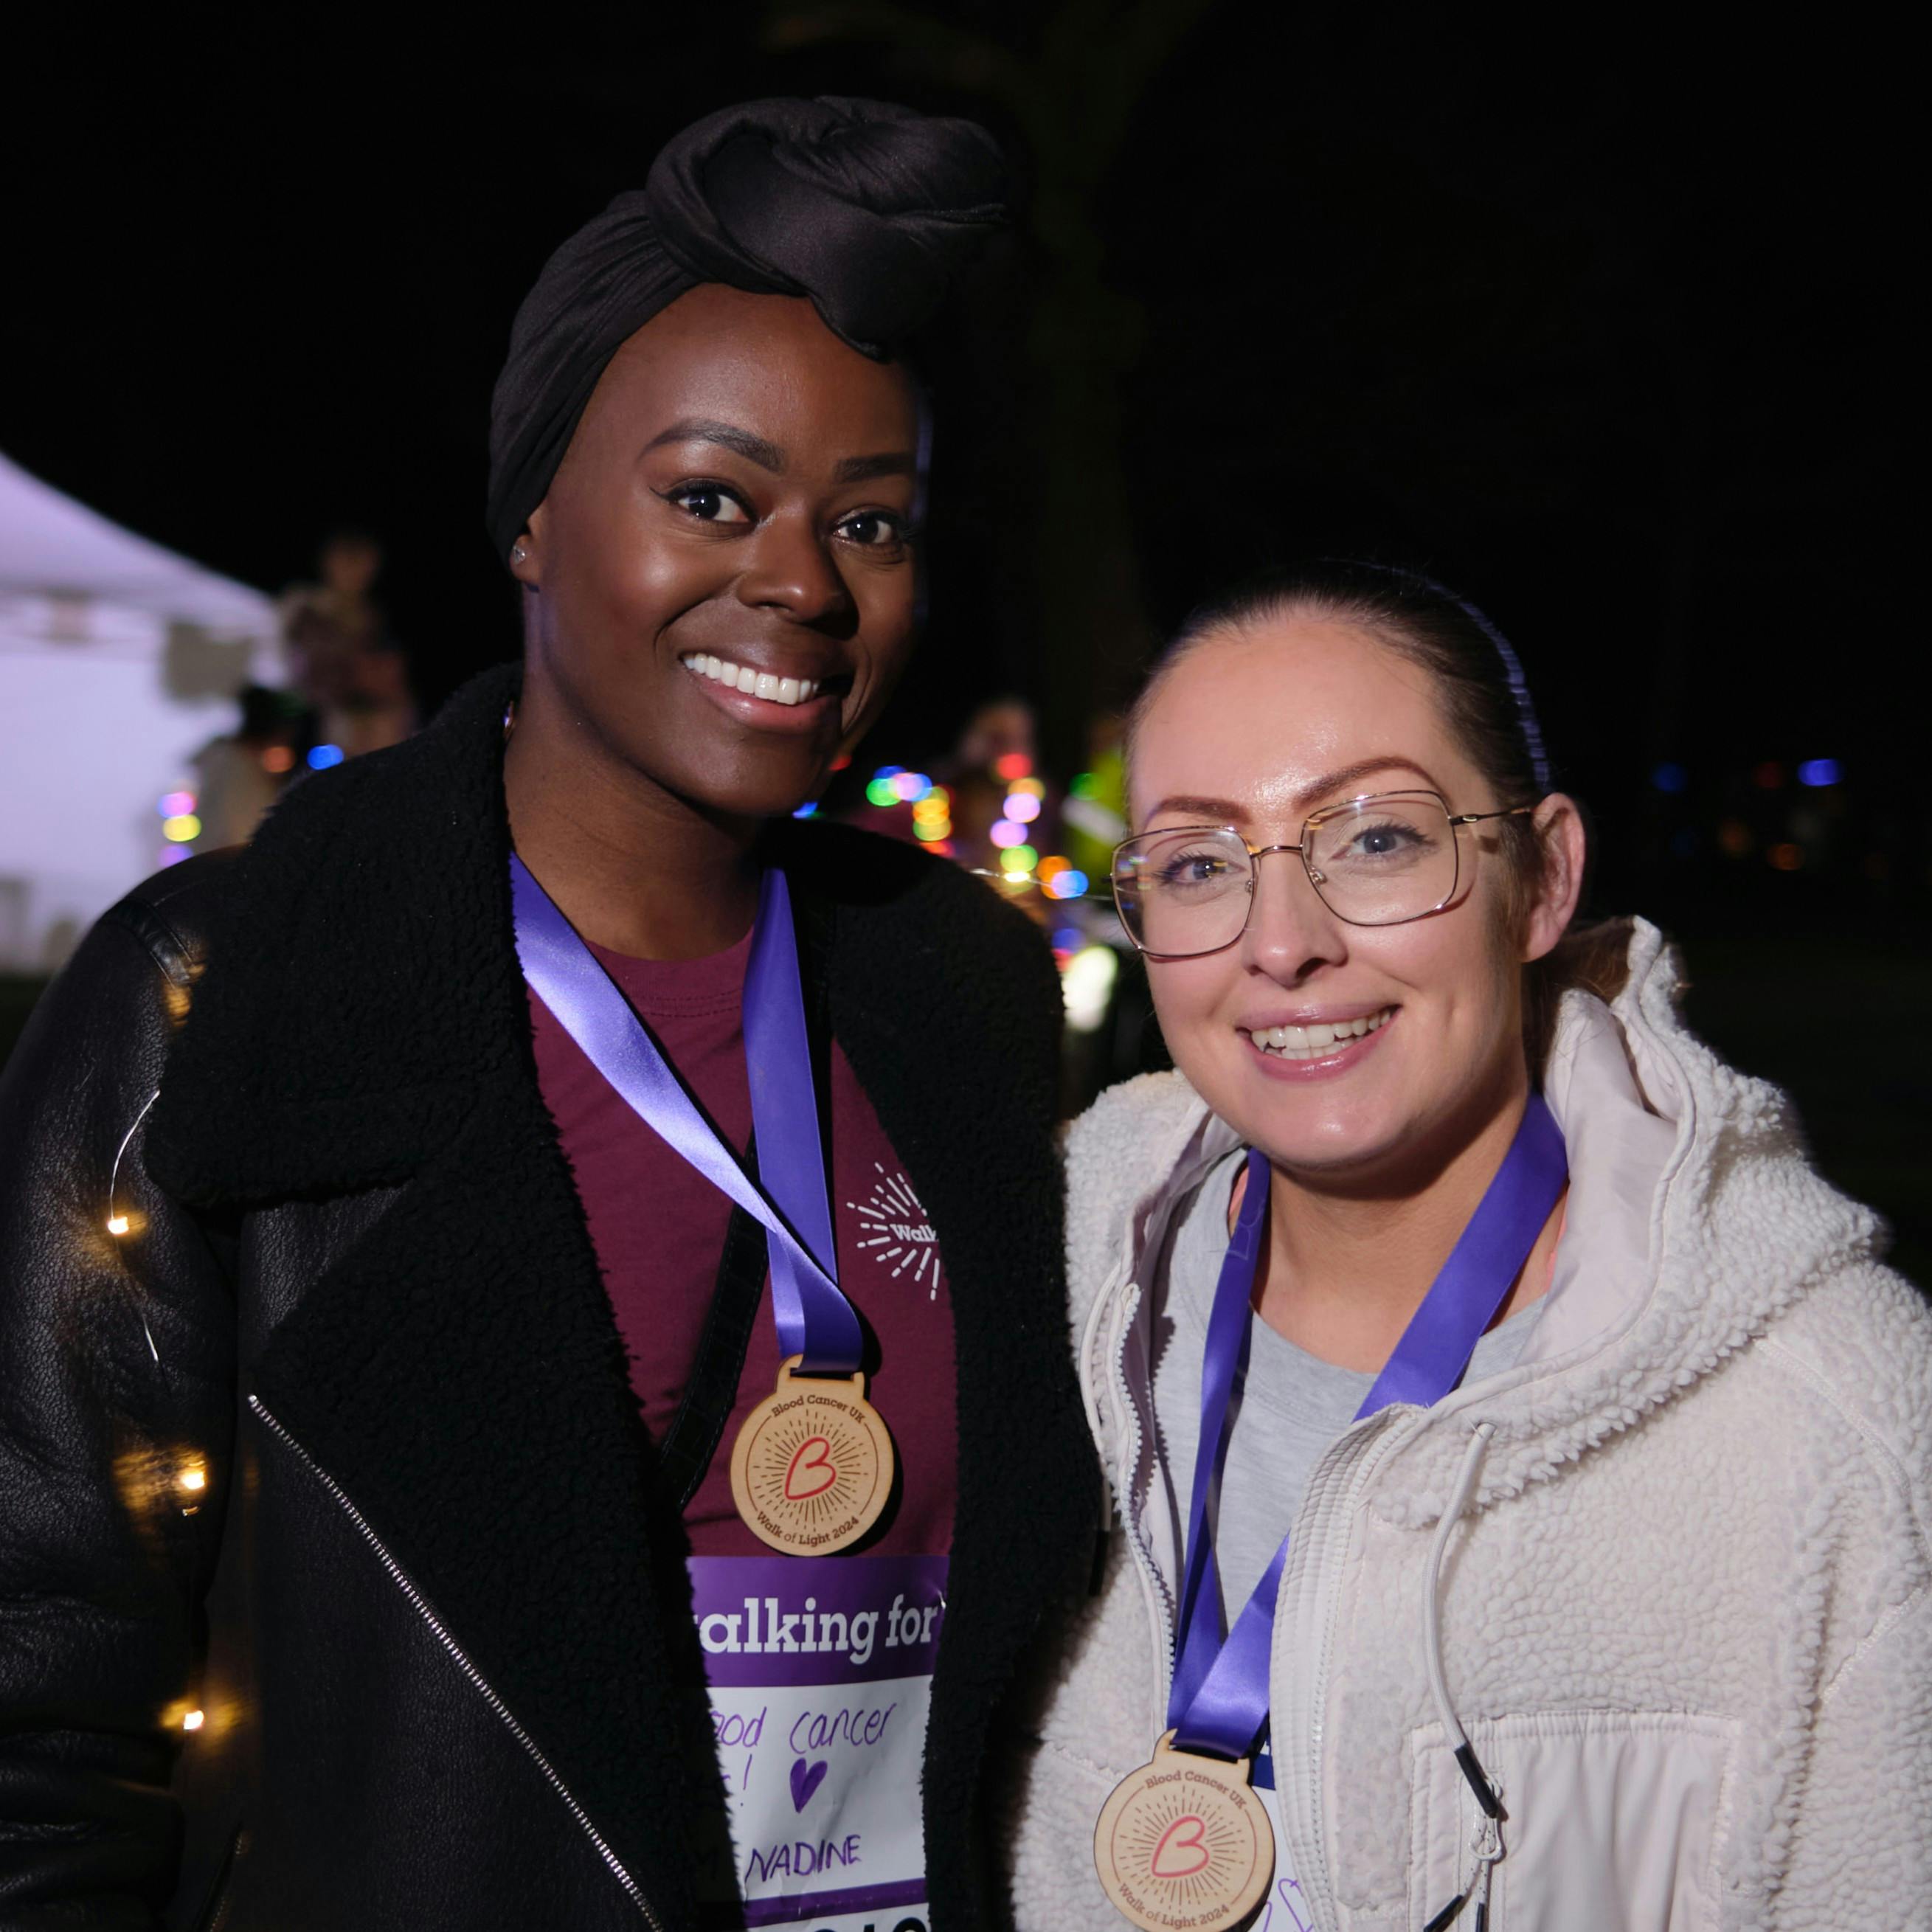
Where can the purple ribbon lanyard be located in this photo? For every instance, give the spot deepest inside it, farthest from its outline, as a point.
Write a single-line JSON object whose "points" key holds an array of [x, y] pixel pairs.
{"points": [[815, 1320], [1219, 1698]]}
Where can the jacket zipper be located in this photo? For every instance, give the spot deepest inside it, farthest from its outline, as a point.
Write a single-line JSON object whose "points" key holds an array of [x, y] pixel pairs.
{"points": [[401, 1579], [1152, 1584], [1311, 1590]]}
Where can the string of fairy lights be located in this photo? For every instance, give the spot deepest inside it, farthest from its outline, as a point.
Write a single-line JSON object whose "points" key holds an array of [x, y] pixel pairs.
{"points": [[1020, 861]]}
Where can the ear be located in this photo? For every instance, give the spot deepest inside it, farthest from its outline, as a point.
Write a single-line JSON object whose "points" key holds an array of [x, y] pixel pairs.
{"points": [[526, 557], [1560, 837]]}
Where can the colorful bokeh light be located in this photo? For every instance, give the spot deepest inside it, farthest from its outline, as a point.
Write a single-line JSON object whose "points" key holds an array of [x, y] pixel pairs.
{"points": [[1818, 773], [1018, 858], [1067, 884], [181, 828], [1013, 765], [1006, 833], [1022, 806], [911, 786], [324, 756]]}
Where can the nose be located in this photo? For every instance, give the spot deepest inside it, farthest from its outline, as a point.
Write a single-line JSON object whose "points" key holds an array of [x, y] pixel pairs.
{"points": [[1290, 931], [793, 570]]}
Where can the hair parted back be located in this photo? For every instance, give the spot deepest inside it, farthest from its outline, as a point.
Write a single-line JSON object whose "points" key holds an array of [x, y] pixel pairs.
{"points": [[1486, 701]]}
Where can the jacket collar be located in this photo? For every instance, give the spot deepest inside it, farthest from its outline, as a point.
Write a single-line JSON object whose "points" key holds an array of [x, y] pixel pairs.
{"points": [[360, 989]]}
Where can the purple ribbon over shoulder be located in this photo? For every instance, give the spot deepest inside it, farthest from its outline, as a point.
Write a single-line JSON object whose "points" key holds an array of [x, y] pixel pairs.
{"points": [[1220, 1696], [815, 1320]]}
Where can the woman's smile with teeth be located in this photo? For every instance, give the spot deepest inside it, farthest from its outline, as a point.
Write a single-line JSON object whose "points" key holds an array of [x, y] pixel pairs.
{"points": [[754, 683], [1311, 1042]]}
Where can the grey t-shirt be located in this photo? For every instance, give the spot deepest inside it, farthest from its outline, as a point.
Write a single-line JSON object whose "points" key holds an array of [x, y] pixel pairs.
{"points": [[1285, 1413]]}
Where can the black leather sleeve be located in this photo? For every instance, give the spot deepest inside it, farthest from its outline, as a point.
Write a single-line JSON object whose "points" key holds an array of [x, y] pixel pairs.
{"points": [[116, 1376]]}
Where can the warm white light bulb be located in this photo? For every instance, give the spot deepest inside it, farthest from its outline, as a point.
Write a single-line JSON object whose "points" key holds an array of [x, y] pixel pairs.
{"points": [[192, 1721], [117, 1224], [194, 1476]]}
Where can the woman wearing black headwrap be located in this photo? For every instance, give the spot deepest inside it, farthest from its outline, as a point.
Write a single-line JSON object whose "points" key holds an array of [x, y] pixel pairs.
{"points": [[396, 1495]]}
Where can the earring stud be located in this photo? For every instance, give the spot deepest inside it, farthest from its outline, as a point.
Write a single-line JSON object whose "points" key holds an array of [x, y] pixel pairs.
{"points": [[518, 553]]}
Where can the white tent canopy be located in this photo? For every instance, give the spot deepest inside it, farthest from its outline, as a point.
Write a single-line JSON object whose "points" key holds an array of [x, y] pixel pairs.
{"points": [[118, 660]]}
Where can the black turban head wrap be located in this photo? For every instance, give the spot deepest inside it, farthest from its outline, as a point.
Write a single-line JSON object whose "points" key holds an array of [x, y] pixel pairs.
{"points": [[869, 209]]}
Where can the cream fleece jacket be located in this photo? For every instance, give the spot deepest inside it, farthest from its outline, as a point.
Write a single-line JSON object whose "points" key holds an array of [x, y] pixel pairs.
{"points": [[1686, 1615]]}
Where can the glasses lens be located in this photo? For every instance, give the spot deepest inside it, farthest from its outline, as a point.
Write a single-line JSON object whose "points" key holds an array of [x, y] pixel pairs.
{"points": [[1378, 861], [1183, 892]]}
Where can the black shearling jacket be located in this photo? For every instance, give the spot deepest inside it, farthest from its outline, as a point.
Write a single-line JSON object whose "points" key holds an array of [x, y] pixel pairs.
{"points": [[435, 1620]]}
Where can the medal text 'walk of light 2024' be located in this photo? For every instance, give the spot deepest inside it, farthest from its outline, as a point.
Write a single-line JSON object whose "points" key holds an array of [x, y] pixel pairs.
{"points": [[812, 1468], [1185, 1841]]}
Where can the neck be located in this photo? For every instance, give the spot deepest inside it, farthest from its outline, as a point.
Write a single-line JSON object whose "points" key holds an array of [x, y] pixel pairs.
{"points": [[630, 865], [1346, 1267]]}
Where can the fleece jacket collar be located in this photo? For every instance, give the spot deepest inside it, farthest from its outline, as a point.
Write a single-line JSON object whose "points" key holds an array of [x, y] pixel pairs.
{"points": [[361, 1023]]}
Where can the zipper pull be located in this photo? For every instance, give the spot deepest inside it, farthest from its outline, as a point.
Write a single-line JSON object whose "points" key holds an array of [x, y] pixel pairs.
{"points": [[1486, 1842]]}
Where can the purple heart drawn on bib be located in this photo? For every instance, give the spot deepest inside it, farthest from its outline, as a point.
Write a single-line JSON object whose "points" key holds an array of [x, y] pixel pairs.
{"points": [[806, 1779]]}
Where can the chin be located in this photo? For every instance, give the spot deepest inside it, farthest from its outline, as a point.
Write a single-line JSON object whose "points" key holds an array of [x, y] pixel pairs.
{"points": [[1328, 1147], [760, 792]]}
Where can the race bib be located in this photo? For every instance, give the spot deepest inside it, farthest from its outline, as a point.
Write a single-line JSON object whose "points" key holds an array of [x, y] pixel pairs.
{"points": [[821, 1676]]}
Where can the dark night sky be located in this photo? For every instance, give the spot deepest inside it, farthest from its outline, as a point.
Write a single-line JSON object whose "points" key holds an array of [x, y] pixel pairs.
{"points": [[1602, 319]]}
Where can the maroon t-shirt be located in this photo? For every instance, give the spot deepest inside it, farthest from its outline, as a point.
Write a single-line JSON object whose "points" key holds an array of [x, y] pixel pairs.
{"points": [[659, 1227]]}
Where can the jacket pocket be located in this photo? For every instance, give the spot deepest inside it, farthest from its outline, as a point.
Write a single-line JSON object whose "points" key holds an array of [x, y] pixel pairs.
{"points": [[1613, 1820]]}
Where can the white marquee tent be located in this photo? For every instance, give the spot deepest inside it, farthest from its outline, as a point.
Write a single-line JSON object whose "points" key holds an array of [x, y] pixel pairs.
{"points": [[118, 660]]}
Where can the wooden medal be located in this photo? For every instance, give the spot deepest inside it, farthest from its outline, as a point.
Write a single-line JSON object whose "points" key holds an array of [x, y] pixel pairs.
{"points": [[812, 1467], [1185, 1841]]}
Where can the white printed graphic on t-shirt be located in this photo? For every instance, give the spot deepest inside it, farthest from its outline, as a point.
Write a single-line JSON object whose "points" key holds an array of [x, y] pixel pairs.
{"points": [[895, 1231]]}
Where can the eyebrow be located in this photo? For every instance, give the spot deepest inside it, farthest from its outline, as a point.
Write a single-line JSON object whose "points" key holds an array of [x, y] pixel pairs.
{"points": [[889, 463], [740, 442], [767, 455], [1226, 811]]}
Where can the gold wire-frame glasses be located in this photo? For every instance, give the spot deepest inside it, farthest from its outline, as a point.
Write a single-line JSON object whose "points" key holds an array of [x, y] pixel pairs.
{"points": [[1182, 891]]}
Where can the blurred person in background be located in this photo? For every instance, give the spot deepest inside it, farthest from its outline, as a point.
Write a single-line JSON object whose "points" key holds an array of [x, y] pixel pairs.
{"points": [[1520, 1449], [341, 657], [240, 774], [423, 1503]]}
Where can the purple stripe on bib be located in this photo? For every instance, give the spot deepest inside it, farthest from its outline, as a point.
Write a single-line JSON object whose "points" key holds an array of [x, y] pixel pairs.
{"points": [[768, 1621]]}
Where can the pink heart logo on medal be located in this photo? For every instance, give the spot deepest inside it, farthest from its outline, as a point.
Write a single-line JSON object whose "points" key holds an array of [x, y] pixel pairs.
{"points": [[811, 1471], [806, 1779], [1181, 1853]]}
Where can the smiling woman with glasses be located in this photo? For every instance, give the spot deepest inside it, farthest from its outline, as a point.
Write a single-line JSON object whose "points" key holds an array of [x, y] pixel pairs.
{"points": [[1516, 1445]]}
